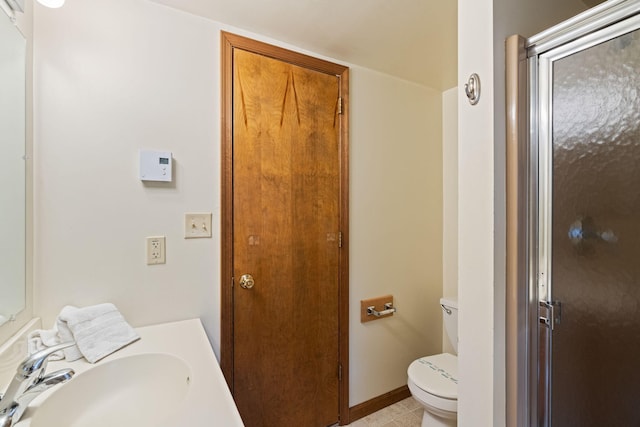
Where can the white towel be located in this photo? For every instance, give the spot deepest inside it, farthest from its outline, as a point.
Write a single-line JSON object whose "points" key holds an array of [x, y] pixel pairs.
{"points": [[41, 339], [64, 335], [98, 331]]}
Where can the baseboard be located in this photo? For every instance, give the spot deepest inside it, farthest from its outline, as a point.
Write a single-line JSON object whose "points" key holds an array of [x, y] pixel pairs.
{"points": [[363, 409]]}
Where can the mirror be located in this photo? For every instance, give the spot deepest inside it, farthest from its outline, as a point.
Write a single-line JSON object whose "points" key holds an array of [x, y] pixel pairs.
{"points": [[12, 170]]}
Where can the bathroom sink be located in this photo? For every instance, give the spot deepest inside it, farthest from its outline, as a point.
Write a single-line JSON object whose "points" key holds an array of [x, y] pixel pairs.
{"points": [[138, 390]]}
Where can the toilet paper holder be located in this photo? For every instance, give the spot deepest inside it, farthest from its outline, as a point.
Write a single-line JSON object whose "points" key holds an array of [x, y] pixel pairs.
{"points": [[376, 308], [388, 309]]}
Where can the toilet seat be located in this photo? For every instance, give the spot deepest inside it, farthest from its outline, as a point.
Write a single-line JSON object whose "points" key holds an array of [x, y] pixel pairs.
{"points": [[434, 381]]}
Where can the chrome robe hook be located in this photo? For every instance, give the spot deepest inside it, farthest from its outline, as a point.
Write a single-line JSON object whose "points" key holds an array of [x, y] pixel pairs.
{"points": [[472, 89]]}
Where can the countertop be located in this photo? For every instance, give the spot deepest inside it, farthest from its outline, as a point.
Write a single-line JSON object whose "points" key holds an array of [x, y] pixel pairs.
{"points": [[208, 402]]}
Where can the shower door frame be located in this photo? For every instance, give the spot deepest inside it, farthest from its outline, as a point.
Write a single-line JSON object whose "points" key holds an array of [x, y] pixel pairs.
{"points": [[528, 164]]}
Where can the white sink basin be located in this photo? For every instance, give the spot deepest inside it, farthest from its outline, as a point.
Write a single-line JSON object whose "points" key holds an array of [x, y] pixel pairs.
{"points": [[136, 390], [168, 378]]}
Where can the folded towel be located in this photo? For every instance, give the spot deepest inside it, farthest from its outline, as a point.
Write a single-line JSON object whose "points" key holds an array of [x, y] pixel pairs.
{"points": [[98, 331], [41, 339], [64, 334]]}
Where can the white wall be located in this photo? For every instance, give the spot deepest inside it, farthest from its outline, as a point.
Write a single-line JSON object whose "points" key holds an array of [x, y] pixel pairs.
{"points": [[396, 227], [449, 199], [475, 224], [114, 76], [483, 26]]}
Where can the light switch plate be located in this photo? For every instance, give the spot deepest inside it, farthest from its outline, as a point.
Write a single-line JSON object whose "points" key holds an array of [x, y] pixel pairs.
{"points": [[197, 225]]}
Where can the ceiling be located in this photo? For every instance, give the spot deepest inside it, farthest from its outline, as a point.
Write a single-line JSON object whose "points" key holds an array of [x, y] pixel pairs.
{"points": [[415, 40]]}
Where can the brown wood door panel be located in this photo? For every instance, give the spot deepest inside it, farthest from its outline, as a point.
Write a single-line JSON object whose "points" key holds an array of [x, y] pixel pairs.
{"points": [[286, 225]]}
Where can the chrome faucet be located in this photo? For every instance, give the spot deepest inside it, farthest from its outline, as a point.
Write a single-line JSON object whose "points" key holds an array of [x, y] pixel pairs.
{"points": [[30, 380]]}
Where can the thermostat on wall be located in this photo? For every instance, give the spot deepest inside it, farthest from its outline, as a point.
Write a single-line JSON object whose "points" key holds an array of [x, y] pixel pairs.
{"points": [[155, 165]]}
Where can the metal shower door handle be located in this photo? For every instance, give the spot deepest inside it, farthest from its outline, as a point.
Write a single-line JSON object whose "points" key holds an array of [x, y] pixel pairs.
{"points": [[552, 313], [246, 281]]}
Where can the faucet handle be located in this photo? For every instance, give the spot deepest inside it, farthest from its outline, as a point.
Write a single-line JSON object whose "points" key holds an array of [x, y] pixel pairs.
{"points": [[7, 414], [38, 361]]}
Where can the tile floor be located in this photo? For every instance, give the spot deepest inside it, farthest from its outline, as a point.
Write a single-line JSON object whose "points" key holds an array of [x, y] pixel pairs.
{"points": [[406, 413]]}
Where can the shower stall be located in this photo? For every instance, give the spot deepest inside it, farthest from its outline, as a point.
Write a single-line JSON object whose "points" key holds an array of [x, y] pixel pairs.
{"points": [[573, 305]]}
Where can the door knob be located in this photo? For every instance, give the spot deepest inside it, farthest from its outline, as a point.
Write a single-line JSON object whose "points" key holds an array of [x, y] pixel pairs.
{"points": [[246, 281]]}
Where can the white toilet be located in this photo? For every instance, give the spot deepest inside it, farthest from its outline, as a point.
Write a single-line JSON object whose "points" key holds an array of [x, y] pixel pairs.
{"points": [[433, 380]]}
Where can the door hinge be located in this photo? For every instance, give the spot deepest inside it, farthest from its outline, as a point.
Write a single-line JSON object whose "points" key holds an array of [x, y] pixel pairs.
{"points": [[232, 279], [339, 372], [339, 239], [552, 315], [340, 105]]}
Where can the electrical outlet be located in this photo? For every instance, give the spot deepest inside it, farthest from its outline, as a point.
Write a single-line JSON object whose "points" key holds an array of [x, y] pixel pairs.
{"points": [[156, 250], [197, 225]]}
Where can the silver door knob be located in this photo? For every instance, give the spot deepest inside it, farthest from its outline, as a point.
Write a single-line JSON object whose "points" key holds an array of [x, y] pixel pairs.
{"points": [[246, 281]]}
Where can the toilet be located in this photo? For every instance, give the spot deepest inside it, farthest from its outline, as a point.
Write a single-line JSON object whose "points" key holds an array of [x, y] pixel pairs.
{"points": [[433, 380]]}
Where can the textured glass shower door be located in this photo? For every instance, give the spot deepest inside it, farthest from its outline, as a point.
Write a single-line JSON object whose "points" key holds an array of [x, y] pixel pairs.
{"points": [[590, 230]]}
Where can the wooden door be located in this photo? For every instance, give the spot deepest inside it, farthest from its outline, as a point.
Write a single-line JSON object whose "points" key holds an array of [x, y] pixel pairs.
{"points": [[286, 221]]}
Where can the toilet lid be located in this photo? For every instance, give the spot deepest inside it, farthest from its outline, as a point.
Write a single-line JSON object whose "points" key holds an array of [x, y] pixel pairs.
{"points": [[437, 375]]}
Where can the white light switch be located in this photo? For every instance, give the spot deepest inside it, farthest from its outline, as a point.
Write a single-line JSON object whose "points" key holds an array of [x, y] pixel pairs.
{"points": [[197, 225], [155, 250]]}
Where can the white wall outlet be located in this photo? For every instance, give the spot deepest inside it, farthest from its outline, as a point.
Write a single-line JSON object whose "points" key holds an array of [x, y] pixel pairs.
{"points": [[156, 250], [197, 225]]}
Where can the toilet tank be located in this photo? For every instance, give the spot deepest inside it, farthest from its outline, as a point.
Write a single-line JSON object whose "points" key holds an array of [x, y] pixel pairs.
{"points": [[450, 319]]}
